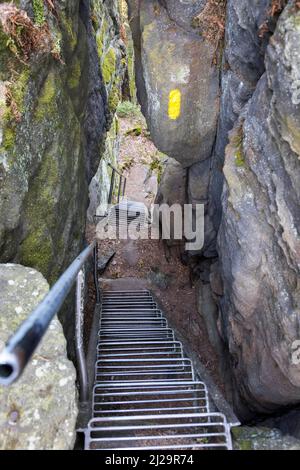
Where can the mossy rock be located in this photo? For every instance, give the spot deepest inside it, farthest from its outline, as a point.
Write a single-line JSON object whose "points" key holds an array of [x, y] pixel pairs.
{"points": [[47, 102], [109, 66], [74, 75]]}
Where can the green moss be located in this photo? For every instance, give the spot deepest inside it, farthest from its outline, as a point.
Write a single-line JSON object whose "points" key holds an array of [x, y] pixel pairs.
{"points": [[109, 66], [75, 74], [19, 88], [46, 103], [37, 248], [128, 109], [245, 445], [241, 439], [114, 98], [237, 143], [67, 24], [135, 131], [38, 11], [9, 138], [36, 251], [239, 158], [100, 42]]}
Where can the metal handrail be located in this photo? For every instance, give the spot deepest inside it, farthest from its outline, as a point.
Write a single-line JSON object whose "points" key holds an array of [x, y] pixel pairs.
{"points": [[21, 346], [115, 169], [122, 184]]}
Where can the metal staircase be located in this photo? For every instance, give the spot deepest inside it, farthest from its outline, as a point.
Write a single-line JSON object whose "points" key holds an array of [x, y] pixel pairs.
{"points": [[146, 394]]}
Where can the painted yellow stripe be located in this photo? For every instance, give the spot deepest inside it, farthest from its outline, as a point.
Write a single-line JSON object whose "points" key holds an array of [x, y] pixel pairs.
{"points": [[174, 104]]}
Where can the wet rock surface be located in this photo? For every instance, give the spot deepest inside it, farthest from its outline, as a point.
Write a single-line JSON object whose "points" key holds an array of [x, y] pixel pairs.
{"points": [[40, 411]]}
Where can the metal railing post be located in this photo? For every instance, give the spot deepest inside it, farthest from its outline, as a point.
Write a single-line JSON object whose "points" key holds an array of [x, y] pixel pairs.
{"points": [[79, 328], [120, 189], [98, 299], [112, 184]]}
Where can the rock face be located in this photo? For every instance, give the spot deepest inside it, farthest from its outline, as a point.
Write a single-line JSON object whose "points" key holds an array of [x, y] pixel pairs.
{"points": [[172, 190], [255, 282], [259, 236], [54, 112], [243, 65], [262, 438], [40, 411], [100, 184], [179, 95], [56, 105], [173, 184]]}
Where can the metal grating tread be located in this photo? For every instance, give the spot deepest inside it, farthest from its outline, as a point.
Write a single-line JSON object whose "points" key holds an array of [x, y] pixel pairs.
{"points": [[146, 395]]}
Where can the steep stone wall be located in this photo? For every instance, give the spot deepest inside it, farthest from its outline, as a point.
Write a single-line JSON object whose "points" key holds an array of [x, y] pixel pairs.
{"points": [[249, 301], [60, 82], [259, 235], [56, 105]]}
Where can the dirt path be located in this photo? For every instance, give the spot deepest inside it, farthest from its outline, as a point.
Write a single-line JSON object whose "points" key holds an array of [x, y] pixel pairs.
{"points": [[166, 277]]}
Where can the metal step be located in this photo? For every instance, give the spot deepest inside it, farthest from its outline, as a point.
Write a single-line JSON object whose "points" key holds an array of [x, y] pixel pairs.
{"points": [[146, 394]]}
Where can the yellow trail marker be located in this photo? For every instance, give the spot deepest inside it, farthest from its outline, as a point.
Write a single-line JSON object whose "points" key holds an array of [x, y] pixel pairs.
{"points": [[174, 104]]}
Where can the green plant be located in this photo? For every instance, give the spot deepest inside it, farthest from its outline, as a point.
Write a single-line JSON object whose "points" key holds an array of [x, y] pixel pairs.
{"points": [[135, 131], [128, 109], [126, 164], [156, 165], [38, 10], [211, 22], [23, 36]]}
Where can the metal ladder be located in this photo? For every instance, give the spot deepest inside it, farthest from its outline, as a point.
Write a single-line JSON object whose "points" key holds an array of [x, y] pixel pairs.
{"points": [[146, 395]]}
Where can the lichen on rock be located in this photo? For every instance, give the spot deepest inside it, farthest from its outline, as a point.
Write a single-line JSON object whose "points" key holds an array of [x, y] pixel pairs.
{"points": [[40, 411]]}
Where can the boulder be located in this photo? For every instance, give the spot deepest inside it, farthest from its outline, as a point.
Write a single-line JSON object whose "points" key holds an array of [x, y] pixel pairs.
{"points": [[39, 412], [171, 191], [179, 83], [172, 185]]}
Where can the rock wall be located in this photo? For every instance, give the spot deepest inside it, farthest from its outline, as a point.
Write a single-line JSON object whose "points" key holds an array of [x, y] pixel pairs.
{"points": [[60, 83], [259, 236], [57, 100], [248, 270], [40, 411]]}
